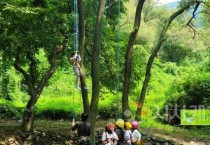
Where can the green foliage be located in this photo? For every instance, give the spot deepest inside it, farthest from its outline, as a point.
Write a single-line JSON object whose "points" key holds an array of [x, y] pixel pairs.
{"points": [[8, 110], [38, 27], [193, 90], [58, 107], [105, 109], [139, 61], [197, 90], [173, 51]]}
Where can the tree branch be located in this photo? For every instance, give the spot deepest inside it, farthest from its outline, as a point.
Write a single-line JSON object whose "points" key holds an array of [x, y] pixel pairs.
{"points": [[20, 69], [194, 31], [32, 67], [194, 11], [189, 23], [17, 66], [52, 68]]}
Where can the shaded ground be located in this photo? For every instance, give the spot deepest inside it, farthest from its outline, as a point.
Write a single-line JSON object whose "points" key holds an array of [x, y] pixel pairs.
{"points": [[59, 133]]}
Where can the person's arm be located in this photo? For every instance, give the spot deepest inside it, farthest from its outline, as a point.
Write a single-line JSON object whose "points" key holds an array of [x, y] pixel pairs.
{"points": [[133, 137], [126, 136], [103, 139], [115, 137], [74, 126], [139, 136], [72, 60]]}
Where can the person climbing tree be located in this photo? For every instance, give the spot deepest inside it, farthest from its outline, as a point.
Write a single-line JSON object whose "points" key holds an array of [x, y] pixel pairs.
{"points": [[119, 131], [75, 60], [109, 137], [83, 129]]}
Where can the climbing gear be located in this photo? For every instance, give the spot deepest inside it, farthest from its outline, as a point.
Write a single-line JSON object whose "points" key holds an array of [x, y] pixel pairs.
{"points": [[120, 123], [135, 124], [75, 26], [128, 125]]}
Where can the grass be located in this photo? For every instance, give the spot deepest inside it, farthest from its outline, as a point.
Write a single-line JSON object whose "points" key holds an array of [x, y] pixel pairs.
{"points": [[69, 102], [199, 133], [65, 103]]}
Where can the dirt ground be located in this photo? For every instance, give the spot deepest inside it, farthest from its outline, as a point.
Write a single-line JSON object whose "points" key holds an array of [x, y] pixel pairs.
{"points": [[59, 133]]}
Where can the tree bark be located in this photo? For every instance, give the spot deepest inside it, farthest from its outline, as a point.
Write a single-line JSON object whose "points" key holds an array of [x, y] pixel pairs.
{"points": [[28, 116], [128, 57], [157, 47], [81, 24], [95, 70]]}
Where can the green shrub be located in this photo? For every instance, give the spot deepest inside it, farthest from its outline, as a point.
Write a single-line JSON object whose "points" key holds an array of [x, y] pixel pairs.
{"points": [[56, 114], [9, 112]]}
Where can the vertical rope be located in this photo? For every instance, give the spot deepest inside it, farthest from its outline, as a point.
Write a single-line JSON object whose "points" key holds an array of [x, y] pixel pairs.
{"points": [[76, 43], [75, 26], [75, 46], [118, 58]]}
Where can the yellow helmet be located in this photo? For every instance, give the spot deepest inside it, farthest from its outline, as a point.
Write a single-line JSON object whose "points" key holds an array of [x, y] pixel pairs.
{"points": [[128, 125], [120, 123]]}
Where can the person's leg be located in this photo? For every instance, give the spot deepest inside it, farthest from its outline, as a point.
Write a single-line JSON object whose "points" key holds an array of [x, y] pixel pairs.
{"points": [[78, 82], [77, 72]]}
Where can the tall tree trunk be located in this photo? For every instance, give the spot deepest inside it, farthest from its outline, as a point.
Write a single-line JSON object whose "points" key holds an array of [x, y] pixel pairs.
{"points": [[128, 57], [84, 89], [157, 47], [28, 116], [95, 70], [81, 24]]}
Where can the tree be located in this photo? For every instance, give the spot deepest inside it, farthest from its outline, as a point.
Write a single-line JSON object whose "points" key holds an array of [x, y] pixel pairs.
{"points": [[95, 69], [128, 57], [173, 51], [81, 50], [27, 27], [162, 38]]}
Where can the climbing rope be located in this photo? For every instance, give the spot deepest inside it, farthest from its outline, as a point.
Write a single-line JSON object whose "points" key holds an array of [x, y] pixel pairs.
{"points": [[75, 26], [75, 16], [76, 55]]}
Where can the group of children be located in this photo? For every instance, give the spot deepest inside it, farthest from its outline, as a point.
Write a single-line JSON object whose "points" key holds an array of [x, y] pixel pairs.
{"points": [[122, 133], [118, 133]]}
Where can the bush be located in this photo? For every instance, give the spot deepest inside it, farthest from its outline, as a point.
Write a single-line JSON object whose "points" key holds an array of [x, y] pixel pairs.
{"points": [[193, 92], [56, 114], [10, 112]]}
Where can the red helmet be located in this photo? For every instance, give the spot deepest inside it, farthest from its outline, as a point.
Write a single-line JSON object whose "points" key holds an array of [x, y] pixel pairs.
{"points": [[110, 126], [135, 124]]}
